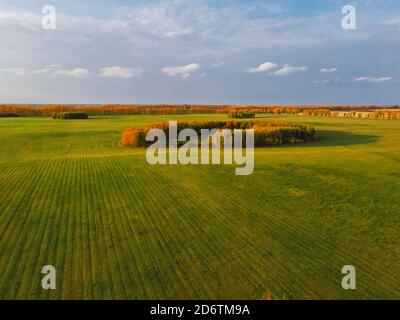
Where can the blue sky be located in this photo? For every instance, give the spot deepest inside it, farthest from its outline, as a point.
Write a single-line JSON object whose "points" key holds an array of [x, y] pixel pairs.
{"points": [[200, 51]]}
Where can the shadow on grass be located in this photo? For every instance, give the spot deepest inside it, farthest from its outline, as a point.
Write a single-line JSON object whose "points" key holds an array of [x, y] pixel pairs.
{"points": [[332, 139], [339, 138]]}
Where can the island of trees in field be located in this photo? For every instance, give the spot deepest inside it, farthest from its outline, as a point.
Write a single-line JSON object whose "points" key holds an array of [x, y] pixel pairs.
{"points": [[266, 133], [70, 115]]}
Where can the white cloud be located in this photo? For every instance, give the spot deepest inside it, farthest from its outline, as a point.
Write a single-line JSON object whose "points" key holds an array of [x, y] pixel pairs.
{"points": [[119, 72], [42, 71], [179, 32], [321, 81], [265, 67], [165, 33], [75, 73], [54, 66], [21, 18], [184, 71], [23, 71], [218, 64], [14, 71], [47, 69], [159, 24], [288, 69], [373, 79], [393, 22], [328, 70], [161, 19]]}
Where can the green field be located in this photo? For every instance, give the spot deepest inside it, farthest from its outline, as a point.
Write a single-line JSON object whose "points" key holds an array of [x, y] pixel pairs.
{"points": [[117, 228]]}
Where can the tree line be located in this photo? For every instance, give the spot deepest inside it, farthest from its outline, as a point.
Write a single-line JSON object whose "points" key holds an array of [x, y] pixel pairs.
{"points": [[242, 111], [377, 114]]}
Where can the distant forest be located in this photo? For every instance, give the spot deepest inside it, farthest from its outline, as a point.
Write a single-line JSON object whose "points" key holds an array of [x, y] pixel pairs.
{"points": [[165, 109]]}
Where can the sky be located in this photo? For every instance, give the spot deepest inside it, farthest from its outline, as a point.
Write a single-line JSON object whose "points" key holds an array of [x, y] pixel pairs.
{"points": [[200, 52]]}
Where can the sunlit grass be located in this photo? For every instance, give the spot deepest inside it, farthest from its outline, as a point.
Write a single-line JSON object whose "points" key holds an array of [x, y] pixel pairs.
{"points": [[116, 227]]}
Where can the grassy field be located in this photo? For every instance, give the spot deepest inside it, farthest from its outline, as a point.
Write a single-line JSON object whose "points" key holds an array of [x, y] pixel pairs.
{"points": [[115, 227]]}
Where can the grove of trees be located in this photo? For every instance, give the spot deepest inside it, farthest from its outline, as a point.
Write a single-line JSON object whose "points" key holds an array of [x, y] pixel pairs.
{"points": [[69, 115], [265, 132], [245, 114]]}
